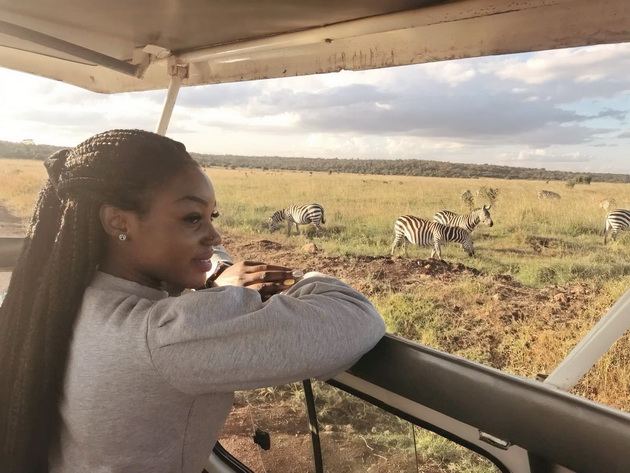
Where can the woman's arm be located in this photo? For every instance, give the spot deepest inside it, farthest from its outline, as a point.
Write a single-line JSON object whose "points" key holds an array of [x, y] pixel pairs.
{"points": [[228, 339], [265, 278]]}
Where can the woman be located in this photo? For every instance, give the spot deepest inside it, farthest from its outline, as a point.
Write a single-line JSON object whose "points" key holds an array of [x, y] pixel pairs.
{"points": [[101, 369]]}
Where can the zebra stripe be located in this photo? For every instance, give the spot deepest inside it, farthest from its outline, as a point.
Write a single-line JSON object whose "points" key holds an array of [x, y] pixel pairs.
{"points": [[467, 221], [615, 221], [548, 195], [298, 215], [425, 233]]}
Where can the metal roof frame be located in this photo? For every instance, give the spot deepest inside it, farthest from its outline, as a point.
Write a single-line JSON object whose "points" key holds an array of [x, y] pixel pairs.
{"points": [[435, 32]]}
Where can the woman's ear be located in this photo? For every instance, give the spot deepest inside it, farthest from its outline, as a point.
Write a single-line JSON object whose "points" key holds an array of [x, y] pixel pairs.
{"points": [[114, 220]]}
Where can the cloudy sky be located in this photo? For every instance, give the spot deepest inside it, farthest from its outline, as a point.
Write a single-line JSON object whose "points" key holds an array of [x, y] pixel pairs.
{"points": [[565, 109]]}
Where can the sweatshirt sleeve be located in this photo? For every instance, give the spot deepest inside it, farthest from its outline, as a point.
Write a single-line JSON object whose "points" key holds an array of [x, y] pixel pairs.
{"points": [[227, 339]]}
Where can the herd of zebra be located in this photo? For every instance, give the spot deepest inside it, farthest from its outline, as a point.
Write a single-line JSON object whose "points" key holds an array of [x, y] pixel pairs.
{"points": [[446, 226]]}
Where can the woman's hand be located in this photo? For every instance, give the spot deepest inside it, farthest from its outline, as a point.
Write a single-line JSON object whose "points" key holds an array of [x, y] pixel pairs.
{"points": [[265, 278]]}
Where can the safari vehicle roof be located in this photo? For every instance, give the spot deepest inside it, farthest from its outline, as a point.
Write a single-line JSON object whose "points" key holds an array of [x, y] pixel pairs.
{"points": [[118, 46]]}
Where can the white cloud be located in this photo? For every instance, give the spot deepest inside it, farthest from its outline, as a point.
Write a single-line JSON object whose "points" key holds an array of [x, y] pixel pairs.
{"points": [[571, 65], [573, 104], [450, 72]]}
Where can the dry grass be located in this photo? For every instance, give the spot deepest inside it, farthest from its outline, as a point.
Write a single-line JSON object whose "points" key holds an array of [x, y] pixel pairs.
{"points": [[539, 243], [20, 182]]}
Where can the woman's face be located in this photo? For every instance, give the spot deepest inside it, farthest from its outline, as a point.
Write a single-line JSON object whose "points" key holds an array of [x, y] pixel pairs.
{"points": [[172, 242]]}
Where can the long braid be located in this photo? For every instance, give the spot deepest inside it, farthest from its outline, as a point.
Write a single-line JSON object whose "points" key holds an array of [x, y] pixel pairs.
{"points": [[24, 336], [63, 247]]}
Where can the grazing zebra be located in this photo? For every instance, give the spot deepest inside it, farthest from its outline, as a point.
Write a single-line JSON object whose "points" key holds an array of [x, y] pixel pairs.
{"points": [[548, 195], [615, 221], [424, 233], [468, 221], [298, 215]]}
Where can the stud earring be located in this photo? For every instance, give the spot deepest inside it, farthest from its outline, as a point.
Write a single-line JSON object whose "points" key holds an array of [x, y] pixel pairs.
{"points": [[122, 237]]}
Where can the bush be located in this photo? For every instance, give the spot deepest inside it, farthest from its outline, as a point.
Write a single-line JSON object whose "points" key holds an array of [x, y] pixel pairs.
{"points": [[489, 193]]}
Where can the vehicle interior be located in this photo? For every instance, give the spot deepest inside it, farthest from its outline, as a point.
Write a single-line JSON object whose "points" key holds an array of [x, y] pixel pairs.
{"points": [[513, 423]]}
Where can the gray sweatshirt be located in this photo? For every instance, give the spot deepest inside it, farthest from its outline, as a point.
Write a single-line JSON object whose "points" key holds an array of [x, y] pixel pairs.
{"points": [[151, 378]]}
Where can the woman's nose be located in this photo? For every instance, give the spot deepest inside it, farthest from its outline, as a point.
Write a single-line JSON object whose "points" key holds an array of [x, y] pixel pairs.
{"points": [[216, 239], [213, 237]]}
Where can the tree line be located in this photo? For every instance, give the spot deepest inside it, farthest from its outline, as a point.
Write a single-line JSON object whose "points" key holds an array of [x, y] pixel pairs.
{"points": [[399, 167]]}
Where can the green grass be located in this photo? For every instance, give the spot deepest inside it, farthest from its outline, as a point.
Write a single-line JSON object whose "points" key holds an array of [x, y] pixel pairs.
{"points": [[537, 242]]}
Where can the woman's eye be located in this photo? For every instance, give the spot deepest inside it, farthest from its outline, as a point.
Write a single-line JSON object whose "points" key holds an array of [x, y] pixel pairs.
{"points": [[192, 218], [215, 214]]}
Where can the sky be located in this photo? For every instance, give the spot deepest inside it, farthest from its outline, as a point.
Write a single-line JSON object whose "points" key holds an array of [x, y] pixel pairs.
{"points": [[560, 110]]}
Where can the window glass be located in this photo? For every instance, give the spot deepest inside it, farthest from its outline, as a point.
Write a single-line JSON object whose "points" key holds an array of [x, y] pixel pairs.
{"points": [[279, 412], [357, 436]]}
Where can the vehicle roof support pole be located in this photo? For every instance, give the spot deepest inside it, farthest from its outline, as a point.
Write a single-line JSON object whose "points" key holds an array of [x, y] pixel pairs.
{"points": [[178, 73], [596, 342]]}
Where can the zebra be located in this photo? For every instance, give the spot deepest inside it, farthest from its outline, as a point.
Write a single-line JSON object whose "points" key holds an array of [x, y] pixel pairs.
{"points": [[615, 221], [297, 214], [467, 221], [425, 233], [548, 195]]}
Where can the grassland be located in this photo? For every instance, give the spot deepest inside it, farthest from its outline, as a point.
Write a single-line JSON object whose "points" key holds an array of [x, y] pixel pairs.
{"points": [[540, 244], [20, 182]]}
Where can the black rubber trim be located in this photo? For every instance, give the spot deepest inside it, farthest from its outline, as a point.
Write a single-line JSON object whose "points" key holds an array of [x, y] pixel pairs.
{"points": [[229, 460], [313, 425], [539, 465]]}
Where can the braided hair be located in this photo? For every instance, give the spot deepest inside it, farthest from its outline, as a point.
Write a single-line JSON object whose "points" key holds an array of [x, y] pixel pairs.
{"points": [[64, 244]]}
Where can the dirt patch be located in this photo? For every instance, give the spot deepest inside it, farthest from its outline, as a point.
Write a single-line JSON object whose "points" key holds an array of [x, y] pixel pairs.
{"points": [[373, 274], [369, 274], [287, 434]]}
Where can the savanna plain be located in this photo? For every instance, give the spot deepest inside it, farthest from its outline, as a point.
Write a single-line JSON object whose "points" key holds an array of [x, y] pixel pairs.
{"points": [[540, 279]]}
